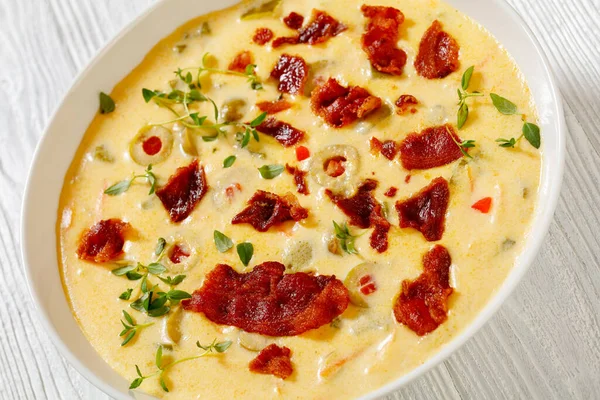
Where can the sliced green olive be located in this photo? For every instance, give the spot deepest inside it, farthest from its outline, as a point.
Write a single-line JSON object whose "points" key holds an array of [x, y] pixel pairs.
{"points": [[187, 140], [252, 341], [171, 327], [233, 110], [152, 145], [360, 282], [297, 256], [264, 10], [343, 182]]}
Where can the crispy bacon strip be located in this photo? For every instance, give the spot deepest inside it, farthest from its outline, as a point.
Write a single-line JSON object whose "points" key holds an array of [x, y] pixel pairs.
{"points": [[273, 360], [365, 212], [426, 211], [183, 191], [241, 61], [274, 107], [262, 36], [339, 105], [292, 74], [406, 103], [321, 28], [381, 38], [283, 132], [267, 301], [389, 149], [267, 209], [299, 179], [104, 241], [433, 147], [438, 53], [423, 303], [294, 20]]}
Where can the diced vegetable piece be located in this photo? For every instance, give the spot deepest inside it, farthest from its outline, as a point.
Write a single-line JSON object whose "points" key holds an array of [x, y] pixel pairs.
{"points": [[152, 145], [483, 205], [100, 153], [233, 110], [252, 341], [302, 153], [264, 10], [338, 181], [361, 283], [298, 256]]}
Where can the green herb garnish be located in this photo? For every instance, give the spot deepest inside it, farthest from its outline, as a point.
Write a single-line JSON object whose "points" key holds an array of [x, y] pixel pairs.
{"points": [[173, 281], [245, 251], [228, 162], [160, 246], [271, 171], [107, 104], [222, 242], [345, 238], [123, 186], [131, 328], [463, 95], [530, 131], [503, 105]]}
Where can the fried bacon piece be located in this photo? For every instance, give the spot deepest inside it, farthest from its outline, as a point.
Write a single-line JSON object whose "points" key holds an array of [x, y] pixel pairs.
{"points": [[406, 103], [183, 191], [438, 53], [381, 37], [262, 36], [391, 192], [365, 212], [389, 149], [267, 301], [423, 303], [241, 61], [274, 107], [294, 20], [321, 28], [433, 147], [299, 179], [267, 209], [273, 360], [292, 74], [340, 106], [426, 211], [283, 132], [104, 241]]}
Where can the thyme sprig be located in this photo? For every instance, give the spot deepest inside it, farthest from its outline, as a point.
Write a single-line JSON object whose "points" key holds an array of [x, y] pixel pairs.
{"points": [[465, 144], [124, 185], [345, 238], [463, 95], [215, 347], [530, 131], [249, 73], [131, 328]]}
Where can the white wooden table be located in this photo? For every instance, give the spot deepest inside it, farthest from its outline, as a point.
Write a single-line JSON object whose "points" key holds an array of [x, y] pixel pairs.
{"points": [[545, 341]]}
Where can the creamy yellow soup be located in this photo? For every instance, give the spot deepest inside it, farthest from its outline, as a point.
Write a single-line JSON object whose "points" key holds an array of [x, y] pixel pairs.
{"points": [[365, 347]]}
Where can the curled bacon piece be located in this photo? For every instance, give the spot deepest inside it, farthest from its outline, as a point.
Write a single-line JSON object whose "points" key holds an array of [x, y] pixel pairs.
{"points": [[406, 103], [438, 53], [389, 149], [183, 191], [104, 241], [267, 209], [299, 179], [273, 360], [241, 61], [321, 27], [262, 36], [365, 212], [433, 147], [274, 107], [381, 37], [283, 132], [267, 301], [426, 211], [294, 20], [292, 74], [339, 105], [423, 303]]}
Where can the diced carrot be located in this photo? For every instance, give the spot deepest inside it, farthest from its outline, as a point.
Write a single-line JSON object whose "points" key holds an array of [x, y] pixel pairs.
{"points": [[302, 153], [483, 205]]}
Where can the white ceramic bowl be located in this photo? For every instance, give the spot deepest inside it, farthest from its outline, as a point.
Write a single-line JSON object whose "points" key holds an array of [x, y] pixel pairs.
{"points": [[63, 135]]}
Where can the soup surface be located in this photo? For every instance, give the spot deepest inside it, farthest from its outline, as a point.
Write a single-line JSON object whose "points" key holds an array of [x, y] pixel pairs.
{"points": [[430, 218]]}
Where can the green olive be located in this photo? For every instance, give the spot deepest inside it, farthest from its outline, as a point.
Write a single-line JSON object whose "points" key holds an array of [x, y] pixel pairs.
{"points": [[298, 256], [152, 145], [252, 341], [358, 280], [186, 140], [233, 110], [345, 182]]}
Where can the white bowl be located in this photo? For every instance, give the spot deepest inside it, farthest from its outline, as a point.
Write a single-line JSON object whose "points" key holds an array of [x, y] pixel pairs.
{"points": [[64, 133]]}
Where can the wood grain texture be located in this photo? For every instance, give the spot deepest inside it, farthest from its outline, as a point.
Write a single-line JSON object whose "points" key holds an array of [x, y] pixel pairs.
{"points": [[544, 343]]}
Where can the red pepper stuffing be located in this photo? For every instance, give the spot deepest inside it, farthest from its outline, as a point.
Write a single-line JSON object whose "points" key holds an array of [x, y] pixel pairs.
{"points": [[152, 145], [381, 38], [294, 20], [178, 254], [484, 205], [104, 241], [367, 285], [334, 166], [268, 209], [423, 303], [302, 153], [273, 360], [262, 36], [268, 301], [438, 53]]}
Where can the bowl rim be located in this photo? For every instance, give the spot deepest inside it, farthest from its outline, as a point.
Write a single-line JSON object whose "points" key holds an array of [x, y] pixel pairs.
{"points": [[540, 224]]}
